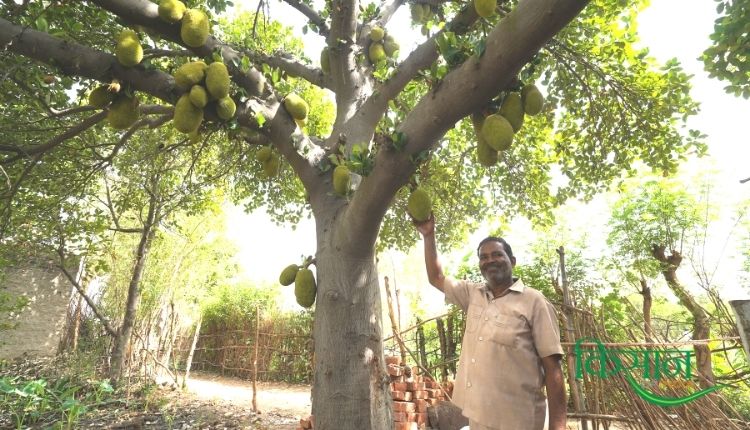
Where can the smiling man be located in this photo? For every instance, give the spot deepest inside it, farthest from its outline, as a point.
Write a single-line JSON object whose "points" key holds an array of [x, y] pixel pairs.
{"points": [[511, 347]]}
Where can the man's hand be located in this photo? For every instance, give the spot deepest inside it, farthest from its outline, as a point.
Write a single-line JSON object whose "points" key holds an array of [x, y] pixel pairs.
{"points": [[425, 227]]}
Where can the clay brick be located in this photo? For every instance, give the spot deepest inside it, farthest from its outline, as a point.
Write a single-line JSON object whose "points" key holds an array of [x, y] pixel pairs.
{"points": [[404, 407], [417, 417], [399, 416], [394, 370], [399, 386], [420, 394], [401, 395], [422, 405], [393, 359], [397, 378], [405, 426], [414, 386], [305, 423]]}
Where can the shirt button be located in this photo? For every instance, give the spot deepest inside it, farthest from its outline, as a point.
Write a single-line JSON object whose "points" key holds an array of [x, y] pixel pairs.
{"points": [[468, 384], [473, 360], [486, 319], [481, 338]]}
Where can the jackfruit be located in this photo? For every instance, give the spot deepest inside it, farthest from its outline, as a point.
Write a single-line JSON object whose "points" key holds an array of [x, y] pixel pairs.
{"points": [[288, 275], [341, 180], [190, 74], [304, 288], [376, 52], [532, 98], [426, 12], [198, 96], [195, 27], [217, 80], [512, 110], [49, 79], [187, 118], [123, 112], [325, 61], [390, 46], [171, 10], [497, 132], [128, 50], [100, 97], [419, 205], [126, 33], [485, 154], [485, 8], [263, 154], [417, 13], [376, 34], [271, 167], [296, 106], [226, 108]]}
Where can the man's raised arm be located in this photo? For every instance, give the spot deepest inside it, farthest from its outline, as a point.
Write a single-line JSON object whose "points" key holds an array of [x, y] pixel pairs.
{"points": [[431, 261]]}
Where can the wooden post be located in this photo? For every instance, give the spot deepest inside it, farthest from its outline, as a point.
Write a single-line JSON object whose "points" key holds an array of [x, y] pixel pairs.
{"points": [[394, 322], [575, 386], [255, 356], [189, 362]]}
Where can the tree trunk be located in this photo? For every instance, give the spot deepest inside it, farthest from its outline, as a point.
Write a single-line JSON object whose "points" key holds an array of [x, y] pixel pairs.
{"points": [[421, 346], [131, 308], [443, 350], [350, 377], [451, 342], [647, 302], [701, 327]]}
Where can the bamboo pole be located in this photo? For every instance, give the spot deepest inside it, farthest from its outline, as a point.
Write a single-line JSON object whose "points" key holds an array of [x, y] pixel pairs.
{"points": [[189, 362], [255, 356], [394, 321]]}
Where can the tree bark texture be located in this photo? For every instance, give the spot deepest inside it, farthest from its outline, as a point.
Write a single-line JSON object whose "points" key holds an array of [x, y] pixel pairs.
{"points": [[701, 325], [351, 386], [131, 308]]}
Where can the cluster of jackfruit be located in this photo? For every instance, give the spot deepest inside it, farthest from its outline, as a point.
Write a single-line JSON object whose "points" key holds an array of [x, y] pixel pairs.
{"points": [[420, 12], [419, 205], [194, 24], [495, 132], [205, 87], [128, 50], [381, 46], [123, 109], [485, 8], [270, 162], [297, 108], [304, 283]]}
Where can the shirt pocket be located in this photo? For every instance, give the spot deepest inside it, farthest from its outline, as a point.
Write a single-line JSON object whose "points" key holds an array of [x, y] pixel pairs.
{"points": [[473, 317], [505, 329]]}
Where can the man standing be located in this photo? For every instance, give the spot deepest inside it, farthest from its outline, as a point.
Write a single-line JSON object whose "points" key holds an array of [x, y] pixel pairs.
{"points": [[511, 346]]}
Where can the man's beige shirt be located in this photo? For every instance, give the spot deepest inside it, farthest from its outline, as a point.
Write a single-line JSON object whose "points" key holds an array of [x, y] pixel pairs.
{"points": [[500, 375]]}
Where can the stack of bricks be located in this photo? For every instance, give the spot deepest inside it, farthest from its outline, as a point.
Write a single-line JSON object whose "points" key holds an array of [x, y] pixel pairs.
{"points": [[412, 395]]}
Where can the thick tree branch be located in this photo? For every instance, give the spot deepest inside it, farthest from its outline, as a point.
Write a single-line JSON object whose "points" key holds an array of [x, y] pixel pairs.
{"points": [[78, 60], [292, 67], [387, 9], [509, 46], [311, 14], [145, 13]]}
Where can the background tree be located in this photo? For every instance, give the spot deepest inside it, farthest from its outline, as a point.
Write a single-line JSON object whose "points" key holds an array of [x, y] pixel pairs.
{"points": [[727, 57], [397, 123], [657, 220]]}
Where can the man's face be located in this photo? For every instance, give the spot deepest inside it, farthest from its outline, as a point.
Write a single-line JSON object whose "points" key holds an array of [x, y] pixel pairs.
{"points": [[494, 263]]}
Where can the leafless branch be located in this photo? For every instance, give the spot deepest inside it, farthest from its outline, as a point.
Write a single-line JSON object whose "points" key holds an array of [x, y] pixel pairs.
{"points": [[312, 15]]}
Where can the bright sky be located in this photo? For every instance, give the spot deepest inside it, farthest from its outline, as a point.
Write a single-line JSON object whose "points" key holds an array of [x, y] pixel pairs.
{"points": [[267, 248]]}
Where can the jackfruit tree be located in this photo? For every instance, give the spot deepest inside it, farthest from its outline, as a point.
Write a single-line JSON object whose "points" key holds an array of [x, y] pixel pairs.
{"points": [[400, 122]]}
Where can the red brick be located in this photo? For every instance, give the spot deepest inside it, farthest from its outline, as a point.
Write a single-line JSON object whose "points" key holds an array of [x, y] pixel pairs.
{"points": [[405, 426], [401, 395], [420, 394], [399, 386], [397, 378], [421, 405], [393, 359], [394, 370], [404, 407], [414, 386], [305, 423], [399, 416]]}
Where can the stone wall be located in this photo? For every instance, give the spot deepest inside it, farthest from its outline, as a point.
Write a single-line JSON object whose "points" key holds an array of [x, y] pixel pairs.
{"points": [[38, 326]]}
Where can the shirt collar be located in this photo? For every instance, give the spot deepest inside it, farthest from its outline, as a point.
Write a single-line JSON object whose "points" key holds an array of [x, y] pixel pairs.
{"points": [[517, 287]]}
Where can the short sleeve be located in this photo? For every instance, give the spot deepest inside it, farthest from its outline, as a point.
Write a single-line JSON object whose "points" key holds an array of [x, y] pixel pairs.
{"points": [[457, 292], [545, 328]]}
